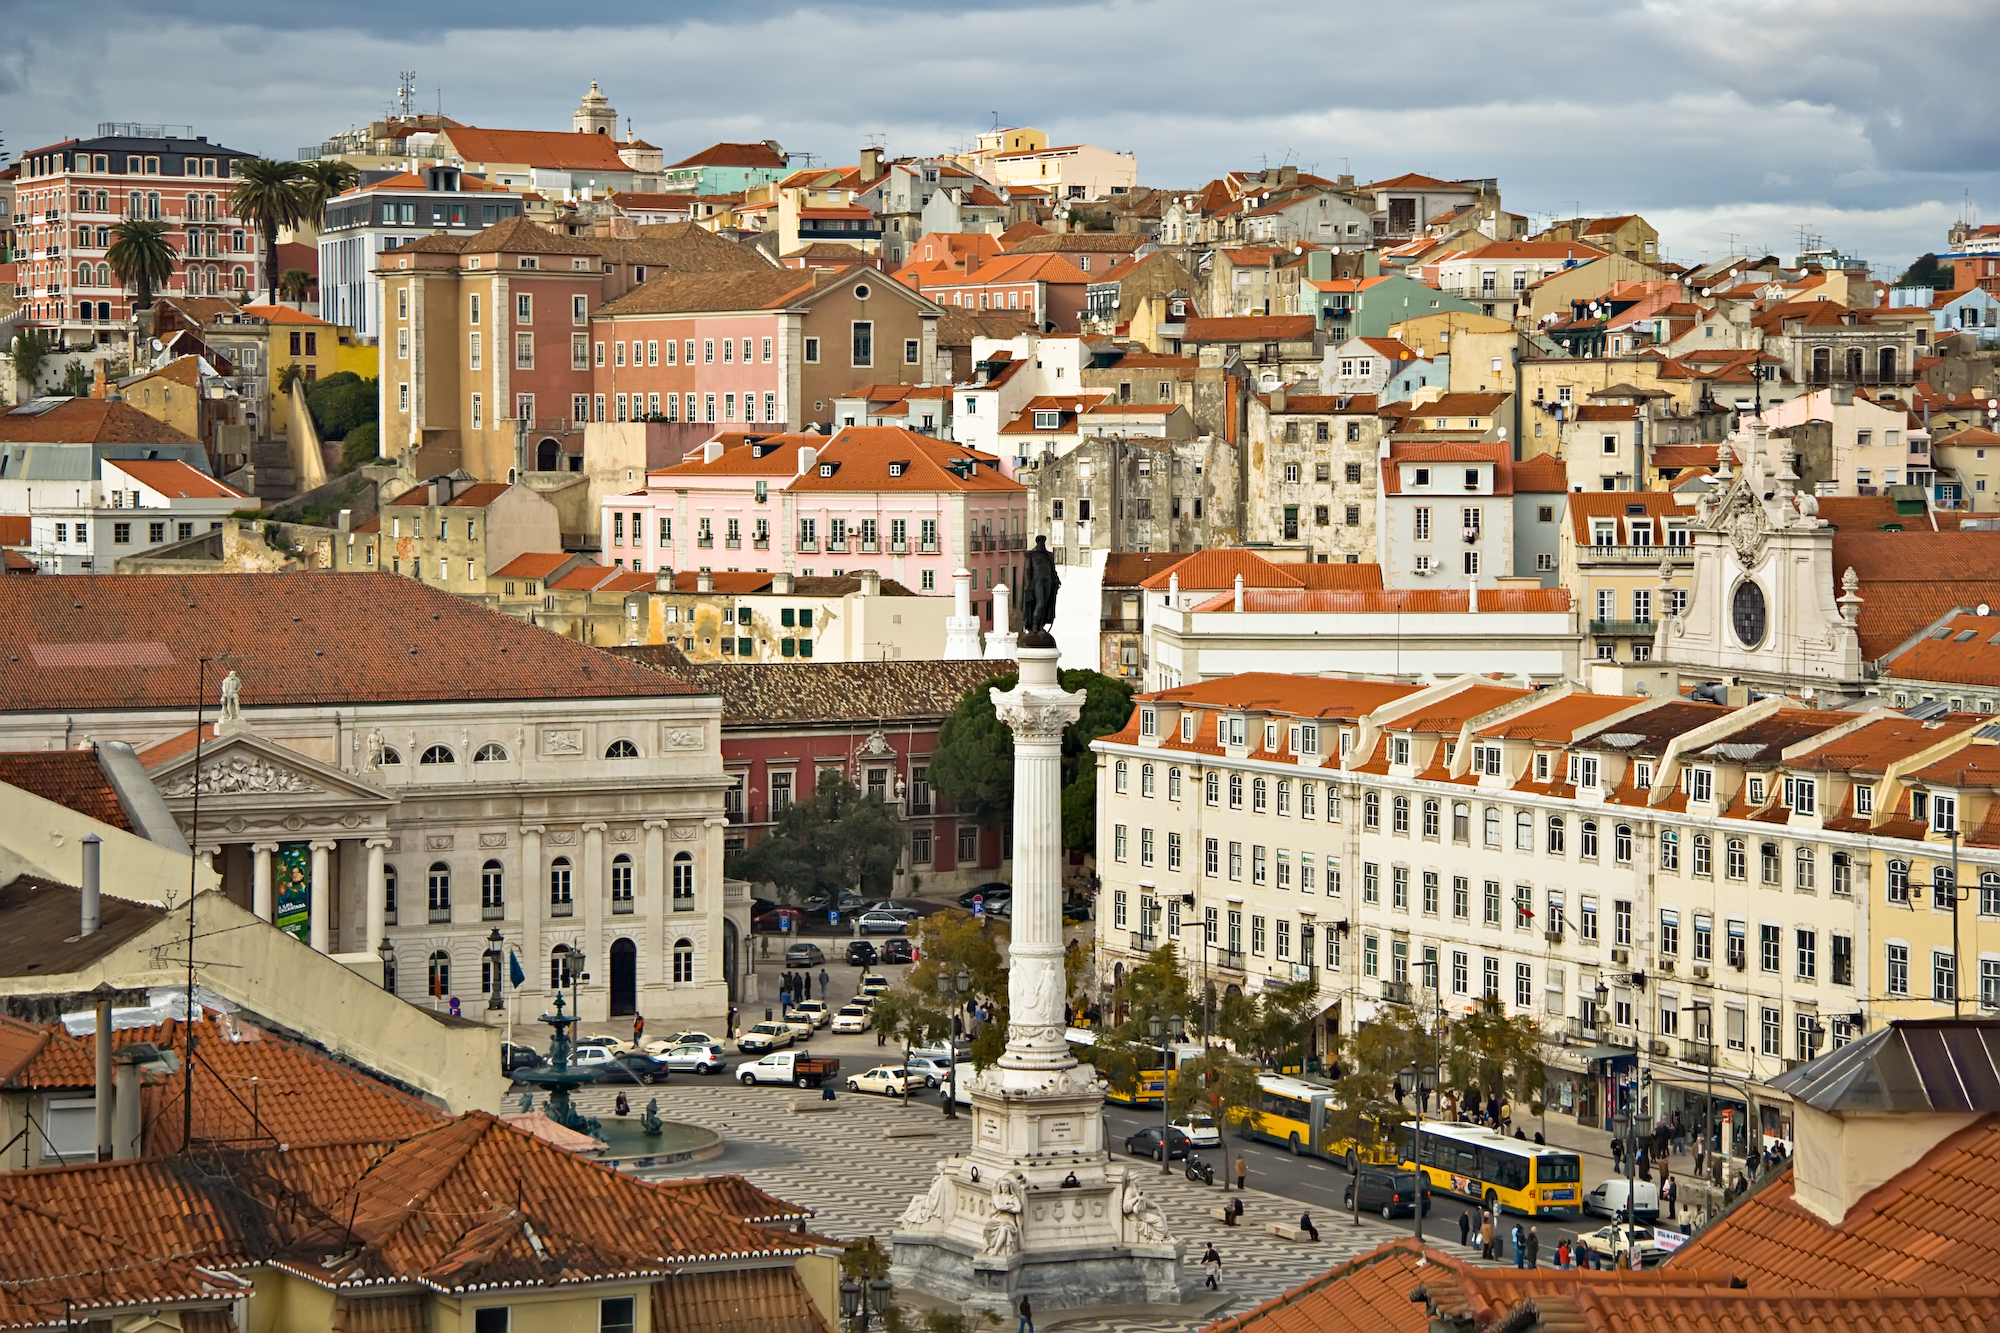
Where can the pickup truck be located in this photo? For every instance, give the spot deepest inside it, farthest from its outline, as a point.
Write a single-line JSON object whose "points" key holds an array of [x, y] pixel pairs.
{"points": [[793, 1067], [764, 1037]]}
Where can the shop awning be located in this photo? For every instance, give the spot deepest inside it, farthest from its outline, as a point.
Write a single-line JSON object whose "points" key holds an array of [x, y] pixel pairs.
{"points": [[1592, 1054]]}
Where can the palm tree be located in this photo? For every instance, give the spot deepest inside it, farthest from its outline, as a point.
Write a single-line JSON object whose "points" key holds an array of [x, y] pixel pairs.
{"points": [[141, 256], [267, 194], [322, 179], [295, 284]]}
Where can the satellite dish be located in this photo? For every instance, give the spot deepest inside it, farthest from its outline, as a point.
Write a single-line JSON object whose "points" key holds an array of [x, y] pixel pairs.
{"points": [[1706, 290], [1984, 609], [1503, 432], [157, 344]]}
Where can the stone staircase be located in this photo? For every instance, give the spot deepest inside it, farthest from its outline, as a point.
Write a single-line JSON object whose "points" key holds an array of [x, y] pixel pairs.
{"points": [[275, 479]]}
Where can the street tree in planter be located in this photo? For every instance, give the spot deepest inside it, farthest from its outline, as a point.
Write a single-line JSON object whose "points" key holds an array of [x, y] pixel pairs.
{"points": [[912, 1015], [972, 765], [951, 942], [840, 839], [1278, 1025], [1156, 988], [1490, 1051]]}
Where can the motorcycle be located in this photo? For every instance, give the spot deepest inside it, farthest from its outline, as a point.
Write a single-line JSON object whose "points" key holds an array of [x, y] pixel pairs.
{"points": [[1199, 1170]]}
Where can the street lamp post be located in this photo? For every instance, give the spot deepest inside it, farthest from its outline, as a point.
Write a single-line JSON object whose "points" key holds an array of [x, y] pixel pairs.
{"points": [[1157, 1026], [495, 950], [386, 950], [1707, 1010], [857, 1302], [952, 989]]}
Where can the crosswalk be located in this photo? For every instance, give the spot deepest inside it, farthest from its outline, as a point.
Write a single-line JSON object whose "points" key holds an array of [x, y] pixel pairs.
{"points": [[857, 1181]]}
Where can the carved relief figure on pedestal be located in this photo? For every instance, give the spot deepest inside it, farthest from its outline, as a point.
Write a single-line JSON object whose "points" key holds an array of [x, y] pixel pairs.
{"points": [[925, 1207], [1003, 1229], [1148, 1223]]}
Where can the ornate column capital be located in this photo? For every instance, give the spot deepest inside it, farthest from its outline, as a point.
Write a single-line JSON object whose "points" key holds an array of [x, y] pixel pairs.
{"points": [[533, 830], [323, 844], [265, 847], [594, 827], [1037, 715], [658, 825], [383, 843]]}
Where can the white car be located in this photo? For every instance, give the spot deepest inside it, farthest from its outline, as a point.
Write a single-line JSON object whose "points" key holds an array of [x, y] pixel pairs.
{"points": [[764, 1037], [610, 1045], [935, 1071], [815, 1010], [656, 1049], [1608, 1242], [1201, 1130], [873, 984], [852, 1018], [881, 923], [889, 1080]]}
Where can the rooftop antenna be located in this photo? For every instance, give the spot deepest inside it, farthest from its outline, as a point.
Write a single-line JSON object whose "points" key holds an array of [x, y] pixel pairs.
{"points": [[996, 120], [406, 91]]}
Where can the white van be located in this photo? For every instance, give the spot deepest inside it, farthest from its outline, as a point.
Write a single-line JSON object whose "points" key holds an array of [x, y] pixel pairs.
{"points": [[1608, 1199]]}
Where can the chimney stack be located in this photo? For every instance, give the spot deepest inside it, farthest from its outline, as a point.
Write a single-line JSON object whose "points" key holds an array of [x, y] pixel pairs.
{"points": [[1239, 592], [125, 1108], [807, 457], [1174, 591], [871, 582], [663, 580], [1472, 595], [711, 451], [103, 995], [781, 583], [704, 582], [93, 852], [871, 164]]}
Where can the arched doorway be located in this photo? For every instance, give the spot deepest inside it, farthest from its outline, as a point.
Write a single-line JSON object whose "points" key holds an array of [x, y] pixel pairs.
{"points": [[1886, 366], [624, 977], [1822, 364], [730, 944], [548, 454]]}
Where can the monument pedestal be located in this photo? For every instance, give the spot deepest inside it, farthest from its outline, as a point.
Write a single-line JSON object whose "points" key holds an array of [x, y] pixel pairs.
{"points": [[1037, 1208]]}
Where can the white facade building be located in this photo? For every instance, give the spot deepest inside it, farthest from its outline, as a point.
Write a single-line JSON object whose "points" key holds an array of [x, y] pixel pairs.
{"points": [[132, 507]]}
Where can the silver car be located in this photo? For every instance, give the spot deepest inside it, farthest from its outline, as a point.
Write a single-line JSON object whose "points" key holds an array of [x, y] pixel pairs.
{"points": [[933, 1070], [695, 1058]]}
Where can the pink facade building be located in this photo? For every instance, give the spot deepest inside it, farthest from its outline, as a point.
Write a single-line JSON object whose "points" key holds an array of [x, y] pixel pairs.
{"points": [[906, 505]]}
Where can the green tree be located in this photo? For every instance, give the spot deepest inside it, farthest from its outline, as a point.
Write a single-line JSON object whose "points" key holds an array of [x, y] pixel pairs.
{"points": [[319, 181], [1155, 989], [1278, 1026], [1927, 271], [840, 839], [290, 375], [1489, 1051], [973, 762], [913, 1017], [31, 351], [76, 380], [1362, 1119], [342, 401], [267, 195], [142, 255], [1223, 1084], [951, 942], [295, 285], [362, 446]]}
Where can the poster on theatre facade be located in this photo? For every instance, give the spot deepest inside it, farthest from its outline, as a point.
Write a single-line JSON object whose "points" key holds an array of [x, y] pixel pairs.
{"points": [[292, 868]]}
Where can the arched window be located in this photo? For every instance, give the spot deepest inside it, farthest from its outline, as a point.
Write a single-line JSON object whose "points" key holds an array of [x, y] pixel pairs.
{"points": [[1524, 831], [1260, 796], [1670, 849], [104, 275], [1805, 868], [1898, 881], [440, 977], [133, 205], [83, 272], [103, 202], [438, 754], [1843, 876], [1822, 364], [1768, 863], [1556, 840], [1284, 797], [1146, 780], [192, 211], [1431, 809], [492, 891], [104, 317], [621, 883], [1989, 893], [239, 279], [83, 307], [1586, 839], [1704, 855], [546, 455], [560, 903], [1621, 844], [683, 882], [1235, 791], [683, 959], [1173, 782], [1121, 777], [1737, 864], [621, 750], [1461, 822], [1211, 787], [440, 895], [389, 895], [560, 973], [491, 753], [391, 755], [1492, 825], [1886, 365], [1399, 815], [153, 205]]}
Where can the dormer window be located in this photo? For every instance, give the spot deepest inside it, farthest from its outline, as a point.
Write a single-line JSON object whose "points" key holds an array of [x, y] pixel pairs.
{"points": [[1399, 750], [826, 469], [580, 266], [473, 262], [1486, 760], [1804, 798], [1756, 791], [1149, 722], [1864, 799], [896, 469], [529, 261], [1047, 420], [1642, 776], [1701, 784], [1472, 479], [1542, 767], [1187, 726], [1586, 772]]}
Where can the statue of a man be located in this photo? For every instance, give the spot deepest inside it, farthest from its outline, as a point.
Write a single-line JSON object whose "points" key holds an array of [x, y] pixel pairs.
{"points": [[1038, 588], [232, 689]]}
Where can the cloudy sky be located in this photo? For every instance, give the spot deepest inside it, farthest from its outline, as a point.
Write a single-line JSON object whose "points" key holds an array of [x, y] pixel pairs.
{"points": [[1728, 123]]}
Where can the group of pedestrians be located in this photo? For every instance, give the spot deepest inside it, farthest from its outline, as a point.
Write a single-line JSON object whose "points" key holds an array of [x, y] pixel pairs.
{"points": [[1480, 1230], [796, 986]]}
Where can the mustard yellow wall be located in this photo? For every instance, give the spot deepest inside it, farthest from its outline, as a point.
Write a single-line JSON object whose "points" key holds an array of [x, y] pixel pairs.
{"points": [[321, 364], [167, 400], [282, 1303], [358, 358], [558, 1312]]}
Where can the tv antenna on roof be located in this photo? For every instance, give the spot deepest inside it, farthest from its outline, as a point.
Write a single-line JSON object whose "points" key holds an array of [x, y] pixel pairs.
{"points": [[406, 91]]}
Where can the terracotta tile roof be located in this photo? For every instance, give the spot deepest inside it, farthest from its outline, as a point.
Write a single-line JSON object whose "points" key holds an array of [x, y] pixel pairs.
{"points": [[602, 578], [475, 496], [1418, 601], [1617, 505], [284, 314], [1249, 328], [1298, 696], [552, 149], [1043, 242], [38, 927], [733, 1196], [1453, 711], [176, 480], [770, 1300], [1413, 181], [128, 641], [87, 421], [1533, 250], [510, 235], [1887, 740], [681, 247], [1560, 719], [1689, 455], [736, 155], [1015, 267], [957, 327], [840, 692], [70, 778], [533, 565], [1962, 650], [1461, 405], [861, 457], [1370, 1293], [1909, 579], [1977, 765], [1861, 513], [1217, 567], [1364, 575], [1128, 569], [1543, 474], [689, 293]]}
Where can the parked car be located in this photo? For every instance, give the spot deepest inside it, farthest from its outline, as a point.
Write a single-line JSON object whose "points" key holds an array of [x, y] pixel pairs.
{"points": [[606, 1040], [903, 910], [861, 953], [513, 1057], [773, 921], [935, 1071], [590, 1057], [986, 892], [1607, 1243], [850, 900], [632, 1067], [851, 1018], [881, 923], [958, 1051], [1608, 1199], [1390, 1193], [804, 953], [1201, 1130], [815, 902], [873, 983], [690, 1037], [800, 1025], [793, 1067], [1146, 1143], [764, 1037], [814, 1010], [695, 1058], [898, 950], [889, 1080]]}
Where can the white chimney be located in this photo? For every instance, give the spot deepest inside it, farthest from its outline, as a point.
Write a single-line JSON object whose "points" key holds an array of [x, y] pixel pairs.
{"points": [[1174, 591], [961, 627], [704, 582], [1472, 602], [781, 583], [1000, 617], [871, 582], [1239, 592], [711, 451], [807, 457], [961, 592], [93, 853]]}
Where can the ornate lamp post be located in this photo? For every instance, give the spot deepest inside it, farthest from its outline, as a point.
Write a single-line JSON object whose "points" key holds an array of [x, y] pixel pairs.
{"points": [[952, 990], [496, 953], [857, 1302], [387, 952], [1158, 1026]]}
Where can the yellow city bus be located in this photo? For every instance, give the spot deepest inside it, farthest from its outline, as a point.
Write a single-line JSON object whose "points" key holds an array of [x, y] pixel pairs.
{"points": [[1481, 1164], [1293, 1112], [1152, 1083]]}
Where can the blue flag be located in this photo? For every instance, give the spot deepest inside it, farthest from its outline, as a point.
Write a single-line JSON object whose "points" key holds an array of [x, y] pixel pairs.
{"points": [[514, 972]]}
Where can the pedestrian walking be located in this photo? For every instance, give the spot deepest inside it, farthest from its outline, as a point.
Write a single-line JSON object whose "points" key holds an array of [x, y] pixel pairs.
{"points": [[1562, 1252], [823, 991], [1027, 1317], [1211, 1259], [1506, 1116], [1669, 1192], [1534, 1248], [1645, 1160], [1486, 1236], [1306, 1225], [638, 1028], [1465, 1228], [1520, 1248], [807, 979], [1242, 1171]]}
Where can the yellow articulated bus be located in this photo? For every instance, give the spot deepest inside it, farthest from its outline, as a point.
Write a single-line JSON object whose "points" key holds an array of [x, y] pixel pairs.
{"points": [[1477, 1163], [1152, 1082], [1293, 1112]]}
